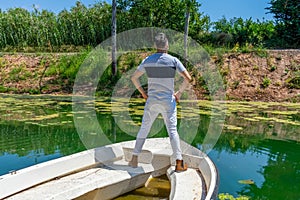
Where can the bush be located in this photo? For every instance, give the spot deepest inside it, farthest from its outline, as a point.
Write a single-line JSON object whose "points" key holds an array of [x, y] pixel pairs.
{"points": [[294, 83]]}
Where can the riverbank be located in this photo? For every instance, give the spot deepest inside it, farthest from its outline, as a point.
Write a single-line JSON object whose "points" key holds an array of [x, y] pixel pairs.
{"points": [[271, 76], [256, 76]]}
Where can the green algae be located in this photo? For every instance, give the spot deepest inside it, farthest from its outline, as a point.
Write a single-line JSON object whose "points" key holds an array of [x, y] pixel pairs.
{"points": [[240, 116], [251, 119], [232, 127], [246, 182], [289, 112]]}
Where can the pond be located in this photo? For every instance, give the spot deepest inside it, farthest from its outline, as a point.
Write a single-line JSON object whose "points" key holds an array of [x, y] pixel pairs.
{"points": [[257, 153]]}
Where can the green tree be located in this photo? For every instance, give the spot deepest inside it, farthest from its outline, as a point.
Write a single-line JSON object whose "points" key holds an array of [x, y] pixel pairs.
{"points": [[240, 31], [287, 16], [164, 14]]}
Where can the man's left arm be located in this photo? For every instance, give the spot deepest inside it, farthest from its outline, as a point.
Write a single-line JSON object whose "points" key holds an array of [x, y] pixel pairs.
{"points": [[135, 80]]}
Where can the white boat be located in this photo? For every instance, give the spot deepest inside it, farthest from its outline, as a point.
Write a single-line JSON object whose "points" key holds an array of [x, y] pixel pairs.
{"points": [[103, 173]]}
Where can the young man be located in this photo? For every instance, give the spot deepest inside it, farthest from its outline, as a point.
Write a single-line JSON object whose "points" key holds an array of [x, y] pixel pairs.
{"points": [[160, 68]]}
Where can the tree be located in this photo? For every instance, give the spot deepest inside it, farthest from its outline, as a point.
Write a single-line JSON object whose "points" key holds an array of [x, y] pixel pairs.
{"points": [[287, 16], [170, 14], [242, 32]]}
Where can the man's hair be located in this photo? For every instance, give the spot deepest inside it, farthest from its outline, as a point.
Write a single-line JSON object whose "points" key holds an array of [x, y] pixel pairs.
{"points": [[161, 41]]}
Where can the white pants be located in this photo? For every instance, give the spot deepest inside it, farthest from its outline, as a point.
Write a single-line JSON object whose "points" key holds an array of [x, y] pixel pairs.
{"points": [[168, 110]]}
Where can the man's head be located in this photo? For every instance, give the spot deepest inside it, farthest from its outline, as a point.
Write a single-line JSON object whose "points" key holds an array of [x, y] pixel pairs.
{"points": [[161, 42]]}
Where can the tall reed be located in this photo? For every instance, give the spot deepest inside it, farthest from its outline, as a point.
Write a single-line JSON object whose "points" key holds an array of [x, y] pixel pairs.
{"points": [[80, 26]]}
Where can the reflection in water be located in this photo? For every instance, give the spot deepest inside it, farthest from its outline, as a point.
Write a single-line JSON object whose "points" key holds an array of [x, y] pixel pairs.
{"points": [[257, 154], [273, 165], [23, 145]]}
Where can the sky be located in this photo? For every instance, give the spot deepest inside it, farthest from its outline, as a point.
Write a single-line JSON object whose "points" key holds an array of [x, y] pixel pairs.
{"points": [[216, 9]]}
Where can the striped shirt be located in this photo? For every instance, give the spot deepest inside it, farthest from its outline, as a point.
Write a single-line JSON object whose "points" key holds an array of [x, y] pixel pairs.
{"points": [[161, 69]]}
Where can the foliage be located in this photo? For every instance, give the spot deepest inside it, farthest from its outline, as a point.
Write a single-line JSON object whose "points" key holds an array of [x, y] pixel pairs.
{"points": [[80, 26], [287, 17], [89, 26], [242, 32], [83, 26], [67, 66], [266, 82], [294, 81], [168, 14]]}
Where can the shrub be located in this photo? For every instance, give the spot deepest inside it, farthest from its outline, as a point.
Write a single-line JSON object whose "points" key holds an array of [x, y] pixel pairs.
{"points": [[294, 83]]}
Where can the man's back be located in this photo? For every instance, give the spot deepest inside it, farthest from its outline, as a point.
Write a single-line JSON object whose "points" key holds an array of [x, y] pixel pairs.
{"points": [[160, 69]]}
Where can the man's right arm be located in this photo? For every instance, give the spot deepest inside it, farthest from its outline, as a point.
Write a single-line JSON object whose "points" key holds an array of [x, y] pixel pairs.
{"points": [[187, 79]]}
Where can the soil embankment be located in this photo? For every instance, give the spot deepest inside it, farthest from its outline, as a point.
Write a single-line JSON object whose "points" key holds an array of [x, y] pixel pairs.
{"points": [[274, 76], [271, 76]]}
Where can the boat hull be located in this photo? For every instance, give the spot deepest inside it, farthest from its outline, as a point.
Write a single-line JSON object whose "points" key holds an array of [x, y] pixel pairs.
{"points": [[103, 173]]}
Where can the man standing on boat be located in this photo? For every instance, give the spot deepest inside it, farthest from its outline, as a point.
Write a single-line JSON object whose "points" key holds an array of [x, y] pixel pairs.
{"points": [[160, 68]]}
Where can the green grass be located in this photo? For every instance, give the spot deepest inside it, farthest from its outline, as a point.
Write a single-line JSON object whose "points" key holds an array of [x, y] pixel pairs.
{"points": [[266, 82]]}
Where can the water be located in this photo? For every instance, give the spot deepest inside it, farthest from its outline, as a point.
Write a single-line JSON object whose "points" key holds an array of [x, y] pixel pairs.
{"points": [[272, 167], [257, 154]]}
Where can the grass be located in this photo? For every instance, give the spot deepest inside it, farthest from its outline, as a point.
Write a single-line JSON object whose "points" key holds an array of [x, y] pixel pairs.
{"points": [[273, 68], [294, 82], [266, 82]]}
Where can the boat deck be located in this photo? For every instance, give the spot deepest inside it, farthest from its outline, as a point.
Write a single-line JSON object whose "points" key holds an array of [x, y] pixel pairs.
{"points": [[120, 180], [119, 177], [111, 176]]}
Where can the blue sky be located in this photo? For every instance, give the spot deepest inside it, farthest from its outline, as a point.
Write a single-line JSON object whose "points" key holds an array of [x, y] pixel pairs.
{"points": [[216, 9]]}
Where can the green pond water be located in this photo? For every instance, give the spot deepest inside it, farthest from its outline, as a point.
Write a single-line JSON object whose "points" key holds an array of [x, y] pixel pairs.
{"points": [[257, 153]]}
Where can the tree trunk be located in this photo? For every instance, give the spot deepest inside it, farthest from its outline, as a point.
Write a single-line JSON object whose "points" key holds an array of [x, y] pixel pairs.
{"points": [[114, 38], [186, 32]]}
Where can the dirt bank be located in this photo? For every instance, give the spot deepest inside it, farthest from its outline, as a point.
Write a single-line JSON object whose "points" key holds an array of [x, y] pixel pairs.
{"points": [[269, 76]]}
